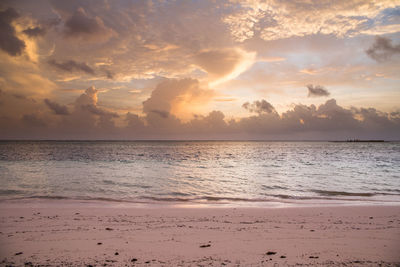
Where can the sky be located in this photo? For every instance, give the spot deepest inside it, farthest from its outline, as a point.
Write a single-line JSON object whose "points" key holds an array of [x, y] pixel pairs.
{"points": [[228, 69]]}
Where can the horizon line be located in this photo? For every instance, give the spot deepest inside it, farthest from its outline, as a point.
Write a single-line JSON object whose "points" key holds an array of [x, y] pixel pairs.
{"points": [[196, 140]]}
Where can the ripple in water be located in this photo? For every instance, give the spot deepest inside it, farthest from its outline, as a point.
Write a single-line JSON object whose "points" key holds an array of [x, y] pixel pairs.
{"points": [[205, 172]]}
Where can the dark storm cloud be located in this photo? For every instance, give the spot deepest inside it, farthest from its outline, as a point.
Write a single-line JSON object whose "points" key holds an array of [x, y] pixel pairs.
{"points": [[56, 108], [72, 66], [383, 49], [35, 31], [9, 42], [81, 24], [259, 106], [317, 90]]}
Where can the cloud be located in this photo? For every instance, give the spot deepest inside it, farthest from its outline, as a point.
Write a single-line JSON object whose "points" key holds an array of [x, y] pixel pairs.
{"points": [[328, 121], [134, 123], [218, 62], [33, 120], [210, 125], [81, 25], [274, 20], [72, 66], [9, 42], [56, 108], [259, 106], [153, 43], [99, 111], [173, 95], [317, 91], [87, 102], [35, 31], [15, 105], [87, 118], [161, 113], [22, 76], [383, 49], [89, 97], [109, 74], [224, 64]]}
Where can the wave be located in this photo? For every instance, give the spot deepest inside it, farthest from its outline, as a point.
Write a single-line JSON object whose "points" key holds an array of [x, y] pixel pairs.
{"points": [[10, 192], [272, 187], [389, 192], [184, 198], [343, 193], [124, 184]]}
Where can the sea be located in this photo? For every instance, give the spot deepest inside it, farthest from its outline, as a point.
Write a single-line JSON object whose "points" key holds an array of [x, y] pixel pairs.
{"points": [[254, 173]]}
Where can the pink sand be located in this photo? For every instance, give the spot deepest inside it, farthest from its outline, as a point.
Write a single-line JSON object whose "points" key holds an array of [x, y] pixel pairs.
{"points": [[68, 232]]}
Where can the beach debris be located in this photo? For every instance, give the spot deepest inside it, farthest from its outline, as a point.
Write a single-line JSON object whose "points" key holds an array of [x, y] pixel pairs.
{"points": [[271, 253], [133, 260], [99, 243], [109, 229], [313, 257], [18, 253], [283, 257], [205, 246], [116, 253]]}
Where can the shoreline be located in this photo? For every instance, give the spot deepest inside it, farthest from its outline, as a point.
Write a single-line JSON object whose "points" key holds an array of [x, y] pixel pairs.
{"points": [[69, 232], [228, 202]]}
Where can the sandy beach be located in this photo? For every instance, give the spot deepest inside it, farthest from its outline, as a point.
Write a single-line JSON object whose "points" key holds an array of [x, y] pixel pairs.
{"points": [[113, 234]]}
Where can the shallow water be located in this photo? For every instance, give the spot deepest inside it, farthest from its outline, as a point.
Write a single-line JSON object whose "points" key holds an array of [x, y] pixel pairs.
{"points": [[201, 172]]}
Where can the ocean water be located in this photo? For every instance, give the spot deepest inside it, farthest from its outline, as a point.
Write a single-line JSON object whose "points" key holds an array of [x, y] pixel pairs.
{"points": [[212, 172]]}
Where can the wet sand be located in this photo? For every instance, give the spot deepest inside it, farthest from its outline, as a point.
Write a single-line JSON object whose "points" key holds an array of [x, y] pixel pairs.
{"points": [[112, 234]]}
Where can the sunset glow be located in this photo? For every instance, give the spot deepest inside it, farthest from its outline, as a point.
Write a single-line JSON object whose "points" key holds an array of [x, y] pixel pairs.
{"points": [[308, 70]]}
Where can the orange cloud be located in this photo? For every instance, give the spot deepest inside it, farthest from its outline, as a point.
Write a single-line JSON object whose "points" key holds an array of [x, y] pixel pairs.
{"points": [[224, 64], [180, 98]]}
